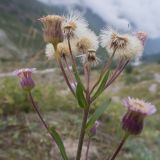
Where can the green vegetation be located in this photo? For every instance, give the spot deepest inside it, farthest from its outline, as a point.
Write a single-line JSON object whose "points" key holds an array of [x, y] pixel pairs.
{"points": [[22, 135]]}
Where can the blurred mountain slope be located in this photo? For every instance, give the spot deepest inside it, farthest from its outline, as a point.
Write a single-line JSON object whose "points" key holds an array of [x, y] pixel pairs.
{"points": [[21, 37], [20, 30]]}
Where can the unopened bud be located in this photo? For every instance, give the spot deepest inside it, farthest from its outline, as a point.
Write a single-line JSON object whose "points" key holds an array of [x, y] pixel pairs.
{"points": [[25, 76]]}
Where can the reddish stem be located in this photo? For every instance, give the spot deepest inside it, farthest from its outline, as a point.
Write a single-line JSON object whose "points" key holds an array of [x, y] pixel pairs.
{"points": [[69, 71], [35, 107], [103, 71], [65, 77], [120, 146], [88, 145]]}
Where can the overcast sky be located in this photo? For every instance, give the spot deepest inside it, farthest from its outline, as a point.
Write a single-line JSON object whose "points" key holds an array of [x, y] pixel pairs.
{"points": [[144, 14]]}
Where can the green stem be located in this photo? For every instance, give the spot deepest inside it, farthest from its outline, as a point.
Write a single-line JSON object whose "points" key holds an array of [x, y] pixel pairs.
{"points": [[120, 146]]}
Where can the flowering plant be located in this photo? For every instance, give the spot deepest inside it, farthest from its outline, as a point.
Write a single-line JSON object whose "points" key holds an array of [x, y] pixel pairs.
{"points": [[68, 38]]}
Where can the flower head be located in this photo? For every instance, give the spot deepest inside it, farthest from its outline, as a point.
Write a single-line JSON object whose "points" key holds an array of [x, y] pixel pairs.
{"points": [[123, 45], [73, 24], [53, 29], [25, 76], [90, 57], [49, 51], [87, 40], [132, 121], [62, 50]]}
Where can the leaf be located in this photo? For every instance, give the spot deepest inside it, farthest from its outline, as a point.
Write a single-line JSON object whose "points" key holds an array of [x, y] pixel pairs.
{"points": [[77, 77], [59, 143], [102, 85], [80, 96], [99, 111]]}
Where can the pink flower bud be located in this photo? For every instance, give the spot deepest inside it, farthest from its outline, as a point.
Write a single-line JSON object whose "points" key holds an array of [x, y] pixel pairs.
{"points": [[142, 36], [25, 76]]}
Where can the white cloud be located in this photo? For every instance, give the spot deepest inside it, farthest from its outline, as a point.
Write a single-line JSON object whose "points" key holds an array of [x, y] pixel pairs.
{"points": [[143, 14], [61, 2]]}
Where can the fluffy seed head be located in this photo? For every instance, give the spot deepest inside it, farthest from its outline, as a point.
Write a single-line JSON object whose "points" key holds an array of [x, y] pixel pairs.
{"points": [[73, 24], [49, 51], [90, 58], [132, 121], [87, 40], [52, 29], [62, 50], [124, 45]]}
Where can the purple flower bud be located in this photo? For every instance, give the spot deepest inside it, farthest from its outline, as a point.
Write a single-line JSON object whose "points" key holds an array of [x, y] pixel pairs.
{"points": [[25, 76], [132, 121], [92, 132]]}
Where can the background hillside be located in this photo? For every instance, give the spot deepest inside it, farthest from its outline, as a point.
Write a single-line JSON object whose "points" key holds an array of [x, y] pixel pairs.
{"points": [[21, 40]]}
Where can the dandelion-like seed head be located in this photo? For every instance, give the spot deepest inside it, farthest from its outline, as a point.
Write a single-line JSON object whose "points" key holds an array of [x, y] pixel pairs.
{"points": [[87, 40], [83, 44], [73, 24], [137, 110], [25, 76], [62, 50], [53, 29], [123, 45], [90, 58], [50, 51]]}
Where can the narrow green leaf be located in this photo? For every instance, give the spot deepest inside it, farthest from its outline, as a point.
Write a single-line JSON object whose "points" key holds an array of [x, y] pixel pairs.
{"points": [[80, 96], [59, 143], [77, 77], [102, 85], [99, 111]]}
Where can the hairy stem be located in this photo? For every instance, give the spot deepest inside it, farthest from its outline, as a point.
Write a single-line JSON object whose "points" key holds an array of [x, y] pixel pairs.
{"points": [[120, 146]]}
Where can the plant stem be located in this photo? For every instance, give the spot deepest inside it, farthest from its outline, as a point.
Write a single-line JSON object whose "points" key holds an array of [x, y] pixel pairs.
{"points": [[70, 50], [82, 133], [35, 107], [69, 71], [66, 78], [103, 71], [120, 146], [87, 151], [116, 74], [72, 57]]}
